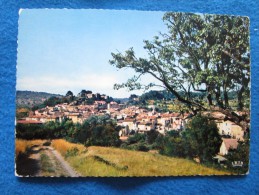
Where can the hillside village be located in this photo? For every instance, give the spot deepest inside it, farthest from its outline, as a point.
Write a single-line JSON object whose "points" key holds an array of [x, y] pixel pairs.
{"points": [[132, 119], [200, 63]]}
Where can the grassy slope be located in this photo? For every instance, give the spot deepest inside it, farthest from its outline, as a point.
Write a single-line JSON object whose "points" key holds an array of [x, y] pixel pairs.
{"points": [[106, 161]]}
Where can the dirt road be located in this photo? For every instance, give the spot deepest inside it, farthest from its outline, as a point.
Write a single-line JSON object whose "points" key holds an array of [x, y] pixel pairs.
{"points": [[67, 168], [44, 161]]}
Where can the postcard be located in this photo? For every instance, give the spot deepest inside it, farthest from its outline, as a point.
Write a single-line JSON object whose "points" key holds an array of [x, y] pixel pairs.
{"points": [[118, 93]]}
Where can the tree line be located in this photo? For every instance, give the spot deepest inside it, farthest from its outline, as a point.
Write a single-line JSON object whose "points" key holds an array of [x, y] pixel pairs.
{"points": [[96, 130]]}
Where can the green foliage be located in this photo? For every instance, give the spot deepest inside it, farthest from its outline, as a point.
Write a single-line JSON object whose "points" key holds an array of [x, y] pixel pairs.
{"points": [[72, 152], [46, 165], [138, 137], [152, 136], [173, 133], [52, 101], [89, 101], [152, 95], [38, 106], [97, 130], [29, 99], [202, 138], [139, 142], [69, 93], [103, 135], [174, 146], [101, 120], [29, 131], [49, 130], [132, 96], [203, 53], [139, 146]]}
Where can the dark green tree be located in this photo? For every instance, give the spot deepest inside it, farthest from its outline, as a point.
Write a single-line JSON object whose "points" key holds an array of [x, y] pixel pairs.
{"points": [[69, 93], [82, 93], [132, 96], [69, 97], [152, 136], [201, 138]]}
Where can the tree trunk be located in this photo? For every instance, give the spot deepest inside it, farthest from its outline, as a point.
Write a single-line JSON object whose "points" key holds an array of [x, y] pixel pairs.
{"points": [[209, 97], [225, 93], [239, 98], [218, 99]]}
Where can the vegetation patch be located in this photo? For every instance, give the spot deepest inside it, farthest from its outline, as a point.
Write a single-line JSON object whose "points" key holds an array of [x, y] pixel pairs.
{"points": [[100, 159], [72, 152], [23, 146], [47, 143], [46, 165]]}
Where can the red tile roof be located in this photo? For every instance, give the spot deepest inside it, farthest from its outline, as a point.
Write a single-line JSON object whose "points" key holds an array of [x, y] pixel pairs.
{"points": [[28, 122]]}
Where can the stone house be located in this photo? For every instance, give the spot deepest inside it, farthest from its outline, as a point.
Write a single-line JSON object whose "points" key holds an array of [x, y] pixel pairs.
{"points": [[231, 129]]}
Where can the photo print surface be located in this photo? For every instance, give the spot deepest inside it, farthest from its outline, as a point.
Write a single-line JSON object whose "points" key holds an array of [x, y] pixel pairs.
{"points": [[119, 93]]}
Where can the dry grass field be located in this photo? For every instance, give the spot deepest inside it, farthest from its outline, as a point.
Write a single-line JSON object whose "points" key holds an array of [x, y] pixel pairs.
{"points": [[107, 161], [22, 146]]}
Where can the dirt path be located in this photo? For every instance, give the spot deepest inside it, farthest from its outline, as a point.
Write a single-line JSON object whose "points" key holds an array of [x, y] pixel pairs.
{"points": [[62, 161], [44, 161]]}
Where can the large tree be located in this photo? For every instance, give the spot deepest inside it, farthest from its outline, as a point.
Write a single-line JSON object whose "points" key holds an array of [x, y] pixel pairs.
{"points": [[203, 53]]}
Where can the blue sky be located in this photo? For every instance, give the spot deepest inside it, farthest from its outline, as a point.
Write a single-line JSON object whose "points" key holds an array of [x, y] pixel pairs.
{"points": [[62, 49]]}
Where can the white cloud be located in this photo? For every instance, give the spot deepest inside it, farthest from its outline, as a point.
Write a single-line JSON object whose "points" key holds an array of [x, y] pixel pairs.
{"points": [[59, 84], [101, 83]]}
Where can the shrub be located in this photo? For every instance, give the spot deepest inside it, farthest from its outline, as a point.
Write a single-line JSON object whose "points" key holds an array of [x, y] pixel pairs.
{"points": [[47, 143], [151, 136], [136, 138], [142, 147]]}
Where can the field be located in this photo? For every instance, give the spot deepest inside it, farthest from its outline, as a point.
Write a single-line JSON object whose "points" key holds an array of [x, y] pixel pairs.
{"points": [[107, 161], [35, 158]]}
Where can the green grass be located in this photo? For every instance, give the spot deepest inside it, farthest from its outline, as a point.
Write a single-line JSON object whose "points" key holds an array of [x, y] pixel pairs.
{"points": [[107, 161], [50, 166], [46, 165]]}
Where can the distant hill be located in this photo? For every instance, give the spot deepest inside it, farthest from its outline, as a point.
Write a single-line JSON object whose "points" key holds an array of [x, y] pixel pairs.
{"points": [[31, 98], [121, 100]]}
